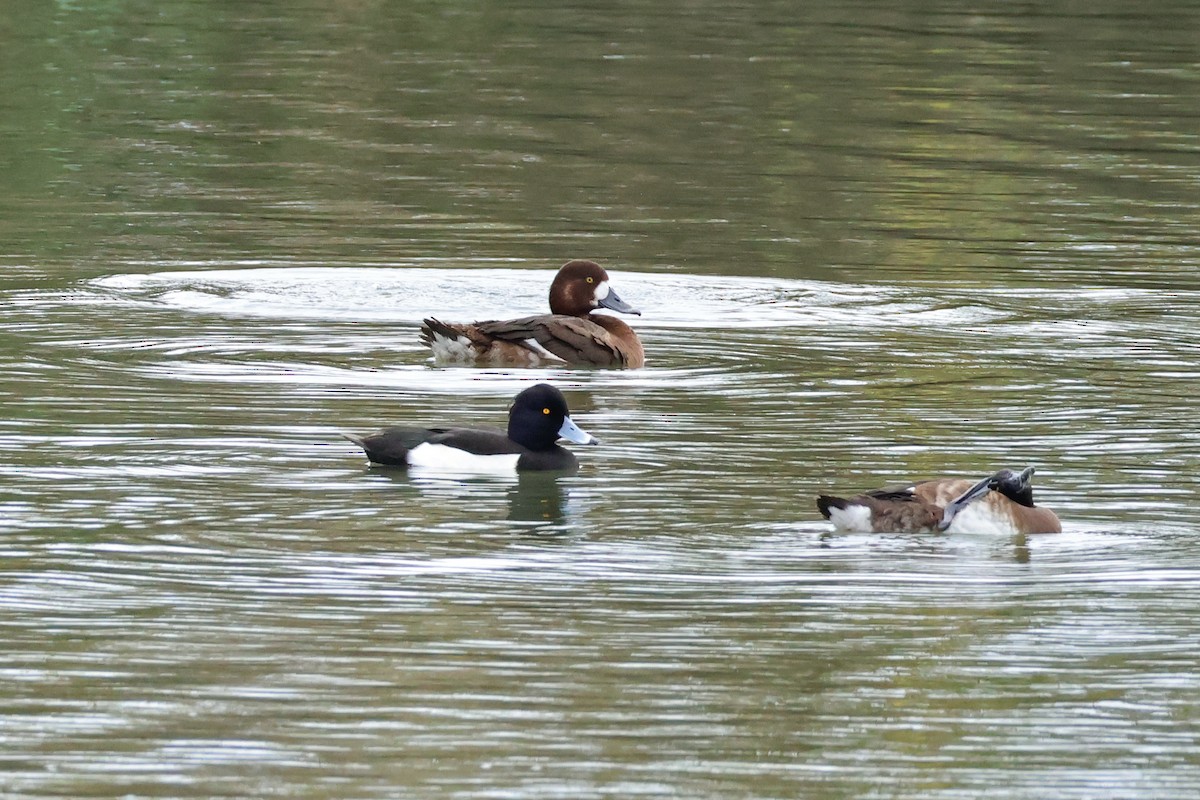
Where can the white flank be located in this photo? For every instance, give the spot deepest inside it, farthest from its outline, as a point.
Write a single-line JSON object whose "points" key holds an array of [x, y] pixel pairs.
{"points": [[852, 518], [979, 517], [456, 349], [443, 458]]}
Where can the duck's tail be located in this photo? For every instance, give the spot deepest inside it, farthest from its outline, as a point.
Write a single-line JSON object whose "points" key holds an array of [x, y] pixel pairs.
{"points": [[453, 343], [847, 515], [433, 329], [827, 504]]}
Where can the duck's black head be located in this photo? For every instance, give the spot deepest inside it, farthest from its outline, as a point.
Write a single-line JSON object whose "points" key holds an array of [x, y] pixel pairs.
{"points": [[1016, 486], [539, 417]]}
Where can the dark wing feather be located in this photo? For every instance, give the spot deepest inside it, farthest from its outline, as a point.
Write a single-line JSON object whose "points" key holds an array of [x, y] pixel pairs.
{"points": [[825, 502], [432, 328], [391, 445], [576, 340], [892, 495], [481, 442], [481, 335]]}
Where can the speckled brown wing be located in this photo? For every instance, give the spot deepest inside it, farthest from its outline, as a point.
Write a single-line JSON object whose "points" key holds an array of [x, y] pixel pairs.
{"points": [[899, 512], [575, 340], [915, 509], [890, 510]]}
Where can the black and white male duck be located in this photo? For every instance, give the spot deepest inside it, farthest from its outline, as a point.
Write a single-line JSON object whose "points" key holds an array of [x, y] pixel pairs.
{"points": [[537, 419], [570, 334], [1001, 503]]}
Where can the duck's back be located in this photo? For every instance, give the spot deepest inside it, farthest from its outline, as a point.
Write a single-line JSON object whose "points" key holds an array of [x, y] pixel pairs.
{"points": [[940, 491], [465, 343], [395, 446], [595, 340]]}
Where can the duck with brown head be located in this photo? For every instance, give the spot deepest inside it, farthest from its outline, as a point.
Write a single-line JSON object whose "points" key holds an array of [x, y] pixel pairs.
{"points": [[571, 334]]}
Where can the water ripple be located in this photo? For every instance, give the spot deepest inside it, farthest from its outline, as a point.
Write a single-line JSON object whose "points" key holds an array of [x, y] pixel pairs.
{"points": [[188, 521]]}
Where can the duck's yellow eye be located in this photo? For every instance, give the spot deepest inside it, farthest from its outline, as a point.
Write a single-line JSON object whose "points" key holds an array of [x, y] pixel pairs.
{"points": [[591, 279], [546, 411]]}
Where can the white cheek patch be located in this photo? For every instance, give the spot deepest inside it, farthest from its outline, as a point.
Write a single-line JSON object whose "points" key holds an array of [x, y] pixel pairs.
{"points": [[852, 518], [602, 290], [442, 458]]}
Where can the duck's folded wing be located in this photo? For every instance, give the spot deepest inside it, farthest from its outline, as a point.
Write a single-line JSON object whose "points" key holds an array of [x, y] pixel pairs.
{"points": [[391, 445], [573, 339], [892, 495], [899, 510], [480, 442]]}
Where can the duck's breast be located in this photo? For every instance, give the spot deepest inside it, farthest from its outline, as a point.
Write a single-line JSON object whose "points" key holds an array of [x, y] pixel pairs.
{"points": [[990, 514], [623, 341]]}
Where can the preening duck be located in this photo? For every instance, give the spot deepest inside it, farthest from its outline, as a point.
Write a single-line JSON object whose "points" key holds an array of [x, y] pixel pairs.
{"points": [[1000, 503]]}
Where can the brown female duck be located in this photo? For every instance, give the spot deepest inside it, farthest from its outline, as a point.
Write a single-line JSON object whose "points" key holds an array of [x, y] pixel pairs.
{"points": [[569, 334]]}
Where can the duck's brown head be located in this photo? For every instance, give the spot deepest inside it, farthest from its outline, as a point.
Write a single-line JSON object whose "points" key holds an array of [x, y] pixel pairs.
{"points": [[580, 287]]}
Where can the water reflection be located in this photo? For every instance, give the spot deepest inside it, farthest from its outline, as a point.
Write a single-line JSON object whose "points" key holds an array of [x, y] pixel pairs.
{"points": [[538, 498], [1017, 548]]}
